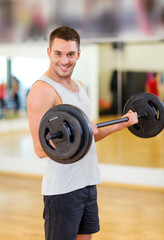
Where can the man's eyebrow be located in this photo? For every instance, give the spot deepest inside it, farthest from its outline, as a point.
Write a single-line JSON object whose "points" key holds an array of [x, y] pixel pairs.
{"points": [[71, 52], [58, 51]]}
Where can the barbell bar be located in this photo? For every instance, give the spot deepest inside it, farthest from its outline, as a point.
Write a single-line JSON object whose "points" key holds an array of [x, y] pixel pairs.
{"points": [[119, 120], [99, 125]]}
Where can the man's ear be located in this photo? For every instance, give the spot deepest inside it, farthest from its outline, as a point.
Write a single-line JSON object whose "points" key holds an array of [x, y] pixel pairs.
{"points": [[49, 52], [78, 54]]}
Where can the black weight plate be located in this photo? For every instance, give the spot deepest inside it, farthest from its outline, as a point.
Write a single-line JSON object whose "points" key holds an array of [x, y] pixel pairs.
{"points": [[55, 121], [87, 131], [86, 138], [153, 106]]}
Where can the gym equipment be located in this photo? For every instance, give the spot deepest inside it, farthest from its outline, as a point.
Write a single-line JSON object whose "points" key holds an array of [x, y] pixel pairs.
{"points": [[153, 108], [65, 131]]}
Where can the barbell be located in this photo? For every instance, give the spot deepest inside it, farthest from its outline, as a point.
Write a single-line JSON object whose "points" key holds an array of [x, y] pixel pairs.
{"points": [[65, 131]]}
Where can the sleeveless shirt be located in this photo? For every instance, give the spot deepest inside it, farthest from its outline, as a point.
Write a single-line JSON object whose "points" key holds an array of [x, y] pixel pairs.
{"points": [[63, 178]]}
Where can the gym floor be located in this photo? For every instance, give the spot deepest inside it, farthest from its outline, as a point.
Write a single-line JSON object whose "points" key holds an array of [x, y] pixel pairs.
{"points": [[126, 149], [126, 212]]}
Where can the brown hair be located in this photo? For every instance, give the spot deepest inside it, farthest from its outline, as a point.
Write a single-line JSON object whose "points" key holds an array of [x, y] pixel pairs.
{"points": [[65, 33]]}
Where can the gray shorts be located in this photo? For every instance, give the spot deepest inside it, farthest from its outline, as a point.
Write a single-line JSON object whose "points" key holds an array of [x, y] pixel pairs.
{"points": [[69, 214]]}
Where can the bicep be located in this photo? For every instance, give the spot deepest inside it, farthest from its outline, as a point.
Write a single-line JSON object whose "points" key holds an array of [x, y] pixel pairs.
{"points": [[36, 108]]}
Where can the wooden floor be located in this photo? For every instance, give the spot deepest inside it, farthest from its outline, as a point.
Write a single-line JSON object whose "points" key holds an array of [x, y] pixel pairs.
{"points": [[124, 148], [125, 214]]}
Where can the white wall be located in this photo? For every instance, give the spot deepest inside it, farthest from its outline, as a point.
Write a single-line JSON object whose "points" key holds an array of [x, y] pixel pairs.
{"points": [[87, 71], [38, 50], [143, 57]]}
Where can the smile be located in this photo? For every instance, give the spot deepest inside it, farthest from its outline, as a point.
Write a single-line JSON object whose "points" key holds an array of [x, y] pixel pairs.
{"points": [[64, 68]]}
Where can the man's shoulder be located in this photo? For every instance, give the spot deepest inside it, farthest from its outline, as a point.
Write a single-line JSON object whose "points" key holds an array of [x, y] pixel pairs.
{"points": [[41, 86], [40, 90], [81, 83]]}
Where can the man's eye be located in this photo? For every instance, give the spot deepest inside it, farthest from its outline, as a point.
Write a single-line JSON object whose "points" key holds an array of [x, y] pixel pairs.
{"points": [[71, 54], [58, 54]]}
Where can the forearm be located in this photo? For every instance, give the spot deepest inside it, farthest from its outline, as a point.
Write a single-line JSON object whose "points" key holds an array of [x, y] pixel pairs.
{"points": [[102, 132], [105, 131]]}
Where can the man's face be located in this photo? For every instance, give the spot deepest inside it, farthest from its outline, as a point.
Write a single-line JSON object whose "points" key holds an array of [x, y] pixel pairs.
{"points": [[63, 56]]}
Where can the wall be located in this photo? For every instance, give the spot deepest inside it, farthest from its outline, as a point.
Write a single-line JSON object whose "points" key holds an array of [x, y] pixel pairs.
{"points": [[143, 57], [87, 71], [107, 63]]}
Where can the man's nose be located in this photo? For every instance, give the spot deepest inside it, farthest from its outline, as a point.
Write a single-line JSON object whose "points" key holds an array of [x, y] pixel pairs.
{"points": [[64, 59]]}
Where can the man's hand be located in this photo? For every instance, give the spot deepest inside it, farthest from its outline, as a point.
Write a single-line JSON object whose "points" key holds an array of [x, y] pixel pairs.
{"points": [[133, 119], [94, 128]]}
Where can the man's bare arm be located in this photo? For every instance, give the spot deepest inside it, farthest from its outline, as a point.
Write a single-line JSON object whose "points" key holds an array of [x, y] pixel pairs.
{"points": [[40, 99], [101, 133]]}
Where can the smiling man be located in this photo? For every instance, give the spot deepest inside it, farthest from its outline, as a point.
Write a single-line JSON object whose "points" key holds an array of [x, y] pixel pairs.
{"points": [[63, 56], [70, 195]]}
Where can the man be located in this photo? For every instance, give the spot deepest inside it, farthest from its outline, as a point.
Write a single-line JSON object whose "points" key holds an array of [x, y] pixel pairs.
{"points": [[69, 190]]}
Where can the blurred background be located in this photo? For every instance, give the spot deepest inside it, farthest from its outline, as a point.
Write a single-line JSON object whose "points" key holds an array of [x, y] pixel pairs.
{"points": [[122, 52], [122, 46]]}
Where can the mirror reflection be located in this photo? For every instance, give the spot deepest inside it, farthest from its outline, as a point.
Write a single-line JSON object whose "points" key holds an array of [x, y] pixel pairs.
{"points": [[117, 71]]}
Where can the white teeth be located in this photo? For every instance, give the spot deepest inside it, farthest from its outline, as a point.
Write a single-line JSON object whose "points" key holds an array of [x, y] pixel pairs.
{"points": [[64, 68]]}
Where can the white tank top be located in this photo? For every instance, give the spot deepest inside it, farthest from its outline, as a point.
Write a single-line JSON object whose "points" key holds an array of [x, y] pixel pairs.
{"points": [[63, 178]]}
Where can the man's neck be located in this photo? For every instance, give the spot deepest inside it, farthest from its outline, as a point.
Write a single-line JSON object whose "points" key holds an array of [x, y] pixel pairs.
{"points": [[58, 79], [66, 82]]}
